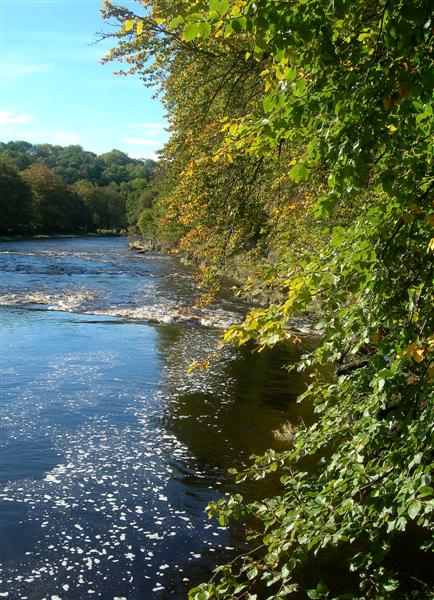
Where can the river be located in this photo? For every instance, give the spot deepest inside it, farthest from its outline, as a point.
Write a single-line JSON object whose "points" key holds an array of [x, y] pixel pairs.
{"points": [[109, 449]]}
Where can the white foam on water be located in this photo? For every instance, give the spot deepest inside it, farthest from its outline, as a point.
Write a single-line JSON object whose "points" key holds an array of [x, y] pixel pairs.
{"points": [[87, 301], [160, 313], [68, 301]]}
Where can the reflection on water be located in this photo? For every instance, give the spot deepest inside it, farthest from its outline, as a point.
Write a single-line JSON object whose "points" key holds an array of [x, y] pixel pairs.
{"points": [[110, 450]]}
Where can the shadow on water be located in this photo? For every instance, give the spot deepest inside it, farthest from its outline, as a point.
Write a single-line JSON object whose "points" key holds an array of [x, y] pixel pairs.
{"points": [[235, 408], [22, 459], [17, 535], [223, 416]]}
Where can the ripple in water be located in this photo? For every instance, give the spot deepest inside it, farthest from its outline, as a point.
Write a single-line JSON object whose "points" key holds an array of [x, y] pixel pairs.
{"points": [[104, 279], [119, 503], [110, 450]]}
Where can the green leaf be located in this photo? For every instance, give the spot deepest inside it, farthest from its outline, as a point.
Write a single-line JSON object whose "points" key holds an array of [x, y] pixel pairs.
{"points": [[243, 23], [268, 102], [191, 30], [321, 591], [299, 173], [195, 17], [221, 7], [291, 74], [258, 53], [391, 585], [322, 588], [414, 509], [236, 25], [300, 87], [174, 23], [204, 30]]}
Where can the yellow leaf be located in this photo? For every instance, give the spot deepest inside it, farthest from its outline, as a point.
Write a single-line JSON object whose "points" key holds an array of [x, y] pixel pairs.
{"points": [[129, 24], [392, 128], [408, 351], [419, 354], [139, 27], [431, 245], [192, 367]]}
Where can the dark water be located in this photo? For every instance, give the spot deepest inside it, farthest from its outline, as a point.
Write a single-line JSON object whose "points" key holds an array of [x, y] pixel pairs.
{"points": [[109, 449]]}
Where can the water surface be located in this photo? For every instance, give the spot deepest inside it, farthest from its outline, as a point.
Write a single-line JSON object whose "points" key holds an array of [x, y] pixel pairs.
{"points": [[109, 449]]}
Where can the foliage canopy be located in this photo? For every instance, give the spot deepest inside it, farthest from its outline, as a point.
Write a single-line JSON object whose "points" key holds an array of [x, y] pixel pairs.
{"points": [[302, 140], [55, 189]]}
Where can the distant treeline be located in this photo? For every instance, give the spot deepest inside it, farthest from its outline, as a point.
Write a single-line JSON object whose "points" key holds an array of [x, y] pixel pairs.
{"points": [[47, 189]]}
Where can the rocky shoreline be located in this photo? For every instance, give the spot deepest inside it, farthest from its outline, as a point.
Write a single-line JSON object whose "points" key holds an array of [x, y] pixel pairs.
{"points": [[300, 326]]}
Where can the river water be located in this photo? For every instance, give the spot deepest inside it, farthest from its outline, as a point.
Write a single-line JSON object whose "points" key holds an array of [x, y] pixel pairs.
{"points": [[109, 449]]}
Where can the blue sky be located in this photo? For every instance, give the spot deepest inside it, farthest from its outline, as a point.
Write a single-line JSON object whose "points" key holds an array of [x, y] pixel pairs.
{"points": [[53, 89]]}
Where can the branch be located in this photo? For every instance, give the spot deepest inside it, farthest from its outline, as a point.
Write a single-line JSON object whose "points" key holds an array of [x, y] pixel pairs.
{"points": [[351, 367]]}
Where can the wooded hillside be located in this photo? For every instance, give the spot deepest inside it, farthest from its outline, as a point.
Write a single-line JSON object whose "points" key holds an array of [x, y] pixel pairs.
{"points": [[52, 189]]}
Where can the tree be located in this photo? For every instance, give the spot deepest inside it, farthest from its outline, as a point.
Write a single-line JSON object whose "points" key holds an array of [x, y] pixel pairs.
{"points": [[55, 209], [15, 200], [17, 152], [330, 104], [91, 197], [115, 204], [95, 178], [105, 205]]}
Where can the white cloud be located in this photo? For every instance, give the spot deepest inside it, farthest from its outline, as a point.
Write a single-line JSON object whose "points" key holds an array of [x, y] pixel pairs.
{"points": [[9, 118], [143, 142]]}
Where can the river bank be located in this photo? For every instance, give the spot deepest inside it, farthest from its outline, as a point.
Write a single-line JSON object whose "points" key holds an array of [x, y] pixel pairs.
{"points": [[46, 236], [232, 277]]}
